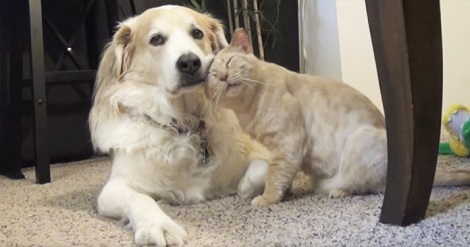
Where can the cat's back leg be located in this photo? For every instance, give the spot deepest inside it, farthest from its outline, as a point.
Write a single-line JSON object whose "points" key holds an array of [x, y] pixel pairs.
{"points": [[363, 164]]}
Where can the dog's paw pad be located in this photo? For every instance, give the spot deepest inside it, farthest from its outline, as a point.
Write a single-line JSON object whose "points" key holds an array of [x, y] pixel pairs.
{"points": [[338, 193], [166, 233]]}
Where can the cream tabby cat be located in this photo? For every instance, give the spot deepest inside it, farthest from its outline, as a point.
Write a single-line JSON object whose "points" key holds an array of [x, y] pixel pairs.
{"points": [[325, 128]]}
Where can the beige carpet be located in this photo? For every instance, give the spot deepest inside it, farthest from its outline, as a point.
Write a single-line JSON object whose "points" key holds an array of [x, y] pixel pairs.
{"points": [[63, 213]]}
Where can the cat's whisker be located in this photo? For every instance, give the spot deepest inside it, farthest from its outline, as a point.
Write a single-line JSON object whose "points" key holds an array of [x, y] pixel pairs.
{"points": [[213, 96], [216, 90], [247, 84], [217, 93], [255, 81], [216, 99], [238, 78]]}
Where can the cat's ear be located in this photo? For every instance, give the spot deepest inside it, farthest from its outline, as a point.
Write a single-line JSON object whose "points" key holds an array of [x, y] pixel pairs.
{"points": [[241, 40]]}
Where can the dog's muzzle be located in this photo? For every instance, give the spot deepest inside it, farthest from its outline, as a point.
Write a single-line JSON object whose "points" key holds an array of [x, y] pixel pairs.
{"points": [[189, 67]]}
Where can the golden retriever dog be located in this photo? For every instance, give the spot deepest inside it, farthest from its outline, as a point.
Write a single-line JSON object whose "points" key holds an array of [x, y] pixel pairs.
{"points": [[166, 140]]}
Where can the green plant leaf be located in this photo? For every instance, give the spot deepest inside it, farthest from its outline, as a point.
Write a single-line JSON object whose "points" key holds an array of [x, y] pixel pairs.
{"points": [[195, 4]]}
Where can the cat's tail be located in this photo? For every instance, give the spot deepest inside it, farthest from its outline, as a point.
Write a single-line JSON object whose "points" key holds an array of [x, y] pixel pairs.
{"points": [[452, 177]]}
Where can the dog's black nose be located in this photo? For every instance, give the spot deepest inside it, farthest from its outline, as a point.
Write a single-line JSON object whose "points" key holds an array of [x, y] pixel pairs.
{"points": [[188, 63]]}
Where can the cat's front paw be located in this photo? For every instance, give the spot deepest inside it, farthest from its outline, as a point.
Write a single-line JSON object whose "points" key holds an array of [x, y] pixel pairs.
{"points": [[161, 232], [248, 189], [252, 184], [262, 201]]}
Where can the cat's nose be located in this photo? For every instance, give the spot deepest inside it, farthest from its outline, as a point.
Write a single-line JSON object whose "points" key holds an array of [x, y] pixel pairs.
{"points": [[223, 77], [188, 63]]}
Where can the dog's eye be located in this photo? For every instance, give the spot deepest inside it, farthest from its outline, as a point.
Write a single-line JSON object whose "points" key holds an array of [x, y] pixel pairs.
{"points": [[197, 34], [157, 40]]}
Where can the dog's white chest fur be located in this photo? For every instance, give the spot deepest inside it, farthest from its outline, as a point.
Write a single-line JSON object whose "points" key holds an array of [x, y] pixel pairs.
{"points": [[170, 168]]}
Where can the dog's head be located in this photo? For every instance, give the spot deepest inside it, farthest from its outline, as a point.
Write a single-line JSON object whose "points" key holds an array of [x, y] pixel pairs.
{"points": [[152, 58], [170, 47]]}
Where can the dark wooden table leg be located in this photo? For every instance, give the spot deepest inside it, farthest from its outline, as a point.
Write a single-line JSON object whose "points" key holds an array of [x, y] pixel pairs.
{"points": [[39, 94], [406, 37]]}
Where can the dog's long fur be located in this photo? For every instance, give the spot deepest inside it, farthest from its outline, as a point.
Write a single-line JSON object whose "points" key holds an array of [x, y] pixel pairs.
{"points": [[140, 103]]}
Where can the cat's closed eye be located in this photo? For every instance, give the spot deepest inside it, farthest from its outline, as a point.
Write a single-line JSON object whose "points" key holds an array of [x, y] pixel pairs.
{"points": [[227, 64]]}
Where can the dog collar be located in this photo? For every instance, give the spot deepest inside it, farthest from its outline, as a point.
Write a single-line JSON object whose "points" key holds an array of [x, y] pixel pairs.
{"points": [[204, 144], [201, 130], [182, 129]]}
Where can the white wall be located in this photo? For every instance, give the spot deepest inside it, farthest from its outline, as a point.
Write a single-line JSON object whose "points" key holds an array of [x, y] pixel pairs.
{"points": [[357, 63], [357, 56], [320, 47], [455, 16]]}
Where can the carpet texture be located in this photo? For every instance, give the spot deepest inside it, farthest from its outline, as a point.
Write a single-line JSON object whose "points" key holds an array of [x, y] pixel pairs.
{"points": [[63, 213]]}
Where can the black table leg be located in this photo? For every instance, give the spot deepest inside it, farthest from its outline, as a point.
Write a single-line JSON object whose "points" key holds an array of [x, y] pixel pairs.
{"points": [[39, 94], [11, 76], [406, 37]]}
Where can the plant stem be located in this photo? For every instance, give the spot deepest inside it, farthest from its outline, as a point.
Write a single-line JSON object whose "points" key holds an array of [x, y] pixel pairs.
{"points": [[235, 10], [229, 13], [258, 30], [246, 19]]}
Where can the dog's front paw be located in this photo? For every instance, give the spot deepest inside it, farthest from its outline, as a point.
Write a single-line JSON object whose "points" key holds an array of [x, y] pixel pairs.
{"points": [[161, 232], [262, 201]]}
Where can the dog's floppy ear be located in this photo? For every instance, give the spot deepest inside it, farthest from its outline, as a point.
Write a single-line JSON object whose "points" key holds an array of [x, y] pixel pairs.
{"points": [[115, 60], [218, 40], [124, 46]]}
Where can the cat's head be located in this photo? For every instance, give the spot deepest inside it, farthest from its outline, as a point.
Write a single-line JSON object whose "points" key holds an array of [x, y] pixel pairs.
{"points": [[230, 74]]}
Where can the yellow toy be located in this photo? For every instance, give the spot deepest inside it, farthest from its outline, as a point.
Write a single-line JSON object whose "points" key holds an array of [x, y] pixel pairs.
{"points": [[457, 123]]}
